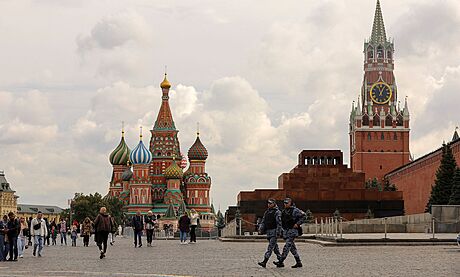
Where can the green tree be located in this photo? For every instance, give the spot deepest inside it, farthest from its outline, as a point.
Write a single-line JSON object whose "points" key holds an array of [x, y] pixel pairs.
{"points": [[455, 196], [373, 184], [387, 186], [442, 189], [88, 206]]}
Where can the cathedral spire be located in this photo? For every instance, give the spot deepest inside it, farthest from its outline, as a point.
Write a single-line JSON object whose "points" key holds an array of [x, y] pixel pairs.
{"points": [[378, 28], [164, 119]]}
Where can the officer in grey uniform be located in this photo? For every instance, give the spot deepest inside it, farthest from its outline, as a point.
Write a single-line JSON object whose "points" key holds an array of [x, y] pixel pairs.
{"points": [[271, 225], [291, 218]]}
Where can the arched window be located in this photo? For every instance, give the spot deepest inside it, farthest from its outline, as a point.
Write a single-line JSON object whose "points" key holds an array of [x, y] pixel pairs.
{"points": [[369, 137], [395, 136], [389, 55], [380, 52], [382, 136], [365, 120], [370, 53], [376, 120], [389, 120]]}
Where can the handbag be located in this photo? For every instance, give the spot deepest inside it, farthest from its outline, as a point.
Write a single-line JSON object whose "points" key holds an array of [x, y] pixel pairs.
{"points": [[37, 226]]}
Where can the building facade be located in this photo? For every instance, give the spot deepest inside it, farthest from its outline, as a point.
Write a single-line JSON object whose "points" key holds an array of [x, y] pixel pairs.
{"points": [[49, 212], [379, 128], [8, 199], [152, 178]]}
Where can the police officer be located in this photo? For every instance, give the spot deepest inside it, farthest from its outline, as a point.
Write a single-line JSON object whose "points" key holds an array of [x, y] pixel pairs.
{"points": [[291, 218], [271, 225]]}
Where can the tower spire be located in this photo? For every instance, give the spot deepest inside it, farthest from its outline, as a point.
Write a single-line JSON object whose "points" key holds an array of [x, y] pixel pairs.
{"points": [[378, 28], [122, 129]]}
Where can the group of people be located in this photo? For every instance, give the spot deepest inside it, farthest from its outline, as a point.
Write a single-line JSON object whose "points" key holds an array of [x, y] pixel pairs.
{"points": [[187, 225], [285, 224]]}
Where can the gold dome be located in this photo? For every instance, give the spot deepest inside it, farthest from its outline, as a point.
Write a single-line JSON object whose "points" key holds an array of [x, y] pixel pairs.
{"points": [[165, 84]]}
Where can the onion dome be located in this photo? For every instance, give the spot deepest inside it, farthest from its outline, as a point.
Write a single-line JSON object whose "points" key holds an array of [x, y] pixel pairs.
{"points": [[173, 171], [165, 84], [140, 154], [120, 155], [127, 174], [198, 151]]}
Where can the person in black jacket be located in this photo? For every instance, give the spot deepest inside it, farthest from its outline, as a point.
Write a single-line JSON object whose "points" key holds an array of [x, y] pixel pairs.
{"points": [[12, 234], [149, 226], [138, 226], [271, 225]]}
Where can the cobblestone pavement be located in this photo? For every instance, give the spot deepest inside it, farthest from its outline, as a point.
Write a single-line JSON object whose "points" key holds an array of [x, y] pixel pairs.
{"points": [[214, 258]]}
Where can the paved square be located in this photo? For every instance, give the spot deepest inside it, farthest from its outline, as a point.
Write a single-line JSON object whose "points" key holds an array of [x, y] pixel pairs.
{"points": [[214, 258]]}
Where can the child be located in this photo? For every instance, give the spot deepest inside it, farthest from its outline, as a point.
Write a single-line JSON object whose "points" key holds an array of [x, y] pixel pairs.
{"points": [[53, 235], [73, 235]]}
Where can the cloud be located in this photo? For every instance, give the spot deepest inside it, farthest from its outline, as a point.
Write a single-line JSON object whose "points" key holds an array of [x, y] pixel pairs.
{"points": [[115, 31]]}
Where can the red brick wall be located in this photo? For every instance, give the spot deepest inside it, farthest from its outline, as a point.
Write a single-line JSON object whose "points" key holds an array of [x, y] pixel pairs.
{"points": [[376, 157], [415, 179]]}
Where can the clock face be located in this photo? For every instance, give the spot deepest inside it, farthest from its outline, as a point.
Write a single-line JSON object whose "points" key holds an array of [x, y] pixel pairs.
{"points": [[380, 93]]}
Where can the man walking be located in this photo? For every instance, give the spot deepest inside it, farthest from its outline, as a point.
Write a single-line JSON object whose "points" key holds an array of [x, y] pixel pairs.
{"points": [[63, 231], [149, 226], [39, 232], [3, 229], [138, 226], [271, 225], [291, 219], [12, 235]]}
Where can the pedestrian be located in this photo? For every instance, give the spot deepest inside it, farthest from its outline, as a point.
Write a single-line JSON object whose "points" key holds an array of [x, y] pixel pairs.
{"points": [[48, 229], [291, 219], [3, 228], [138, 226], [29, 221], [12, 234], [53, 235], [39, 232], [63, 231], [113, 231], [102, 226], [22, 238], [73, 235], [271, 226], [184, 227], [86, 231], [6, 247], [149, 220], [194, 217]]}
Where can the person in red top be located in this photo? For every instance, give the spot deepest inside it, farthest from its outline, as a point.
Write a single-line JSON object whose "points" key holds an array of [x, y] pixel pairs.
{"points": [[102, 226]]}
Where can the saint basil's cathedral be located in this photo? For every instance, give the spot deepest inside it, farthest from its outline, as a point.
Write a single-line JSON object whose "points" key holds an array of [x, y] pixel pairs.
{"points": [[152, 178]]}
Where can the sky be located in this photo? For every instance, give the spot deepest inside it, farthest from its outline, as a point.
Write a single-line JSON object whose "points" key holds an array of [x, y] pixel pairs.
{"points": [[265, 80]]}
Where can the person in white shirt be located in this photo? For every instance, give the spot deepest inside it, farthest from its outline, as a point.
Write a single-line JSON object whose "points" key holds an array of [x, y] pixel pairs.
{"points": [[39, 232], [194, 217]]}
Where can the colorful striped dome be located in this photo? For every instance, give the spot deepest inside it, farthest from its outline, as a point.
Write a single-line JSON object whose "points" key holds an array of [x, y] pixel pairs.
{"points": [[140, 154], [173, 171], [197, 151], [120, 155]]}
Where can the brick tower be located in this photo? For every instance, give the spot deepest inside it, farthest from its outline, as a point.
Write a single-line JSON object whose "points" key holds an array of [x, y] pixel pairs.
{"points": [[164, 144], [379, 129]]}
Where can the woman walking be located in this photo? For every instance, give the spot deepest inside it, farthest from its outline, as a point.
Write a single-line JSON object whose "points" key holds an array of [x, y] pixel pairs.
{"points": [[73, 235], [102, 226], [23, 232], [86, 231], [63, 231], [149, 226], [184, 227], [194, 215]]}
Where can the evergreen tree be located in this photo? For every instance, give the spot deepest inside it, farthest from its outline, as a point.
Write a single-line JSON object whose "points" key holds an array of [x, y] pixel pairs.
{"points": [[455, 196], [373, 184], [442, 189]]}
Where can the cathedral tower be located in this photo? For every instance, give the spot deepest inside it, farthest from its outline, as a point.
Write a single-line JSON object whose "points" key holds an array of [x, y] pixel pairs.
{"points": [[379, 129], [119, 159], [197, 181], [164, 143]]}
